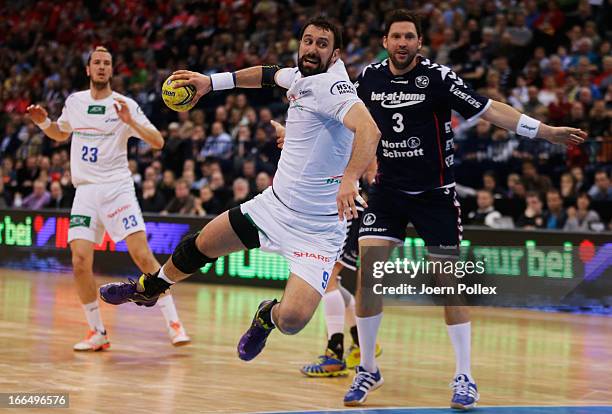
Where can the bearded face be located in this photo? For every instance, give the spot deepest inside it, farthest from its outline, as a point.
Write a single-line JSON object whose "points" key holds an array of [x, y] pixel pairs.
{"points": [[402, 44], [316, 53]]}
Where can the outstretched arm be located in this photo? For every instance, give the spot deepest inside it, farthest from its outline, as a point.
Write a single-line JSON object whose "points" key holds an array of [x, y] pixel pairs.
{"points": [[253, 77], [507, 117]]}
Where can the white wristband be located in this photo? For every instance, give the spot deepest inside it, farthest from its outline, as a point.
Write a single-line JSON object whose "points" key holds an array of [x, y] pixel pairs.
{"points": [[44, 124], [527, 126], [222, 81]]}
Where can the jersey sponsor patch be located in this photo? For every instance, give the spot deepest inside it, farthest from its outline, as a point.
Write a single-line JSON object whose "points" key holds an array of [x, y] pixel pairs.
{"points": [[406, 148], [421, 81], [369, 219], [77, 220], [341, 88], [465, 96], [96, 109], [397, 99], [314, 256]]}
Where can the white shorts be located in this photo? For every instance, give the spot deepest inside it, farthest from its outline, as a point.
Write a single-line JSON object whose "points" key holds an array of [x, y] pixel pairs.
{"points": [[311, 244], [112, 207]]}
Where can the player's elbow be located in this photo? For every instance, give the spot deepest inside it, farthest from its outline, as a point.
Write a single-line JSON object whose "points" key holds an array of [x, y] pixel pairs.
{"points": [[60, 136], [157, 142], [373, 131]]}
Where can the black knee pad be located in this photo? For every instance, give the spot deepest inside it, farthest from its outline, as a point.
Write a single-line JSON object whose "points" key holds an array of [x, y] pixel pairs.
{"points": [[244, 228], [187, 257]]}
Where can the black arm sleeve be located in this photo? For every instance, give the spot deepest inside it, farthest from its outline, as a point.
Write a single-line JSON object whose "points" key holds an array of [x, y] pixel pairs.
{"points": [[267, 75]]}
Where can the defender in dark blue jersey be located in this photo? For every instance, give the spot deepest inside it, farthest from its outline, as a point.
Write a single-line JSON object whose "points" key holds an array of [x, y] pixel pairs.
{"points": [[411, 99]]}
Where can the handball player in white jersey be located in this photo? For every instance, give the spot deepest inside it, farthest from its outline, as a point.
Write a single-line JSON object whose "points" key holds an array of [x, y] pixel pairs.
{"points": [[330, 141], [100, 122]]}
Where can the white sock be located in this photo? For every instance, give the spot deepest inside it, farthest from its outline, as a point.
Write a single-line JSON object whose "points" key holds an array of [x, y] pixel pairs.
{"points": [[166, 305], [333, 306], [163, 276], [367, 329], [272, 317], [461, 338], [94, 319], [349, 316]]}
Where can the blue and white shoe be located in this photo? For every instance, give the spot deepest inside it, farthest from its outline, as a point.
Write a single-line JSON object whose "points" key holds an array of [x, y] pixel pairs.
{"points": [[465, 393], [363, 383]]}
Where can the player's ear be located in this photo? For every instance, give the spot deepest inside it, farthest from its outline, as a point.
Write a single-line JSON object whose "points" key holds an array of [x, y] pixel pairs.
{"points": [[87, 70], [335, 55], [385, 42], [420, 44]]}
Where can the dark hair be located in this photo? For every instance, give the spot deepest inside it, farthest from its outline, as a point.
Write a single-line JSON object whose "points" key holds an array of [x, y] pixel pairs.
{"points": [[403, 15], [533, 194], [97, 49], [584, 194], [324, 23]]}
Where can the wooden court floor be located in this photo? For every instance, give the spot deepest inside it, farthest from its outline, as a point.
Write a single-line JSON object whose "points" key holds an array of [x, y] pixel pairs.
{"points": [[519, 357]]}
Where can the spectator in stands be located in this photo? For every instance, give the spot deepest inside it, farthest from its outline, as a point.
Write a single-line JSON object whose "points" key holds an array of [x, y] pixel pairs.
{"points": [[58, 199], [151, 175], [5, 198], [602, 189], [262, 181], [217, 185], [26, 175], [218, 144], [38, 198], [533, 217], [249, 171], [182, 203], [581, 183], [511, 182], [555, 216], [489, 183], [210, 204], [166, 187], [136, 177], [485, 214], [176, 150], [568, 188], [582, 218], [241, 193], [534, 181], [151, 200]]}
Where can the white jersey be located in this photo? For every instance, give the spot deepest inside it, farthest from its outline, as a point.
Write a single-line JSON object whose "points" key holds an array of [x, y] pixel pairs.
{"points": [[317, 145], [98, 154]]}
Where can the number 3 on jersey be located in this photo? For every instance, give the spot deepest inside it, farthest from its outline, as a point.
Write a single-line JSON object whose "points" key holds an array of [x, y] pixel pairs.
{"points": [[89, 154], [398, 118]]}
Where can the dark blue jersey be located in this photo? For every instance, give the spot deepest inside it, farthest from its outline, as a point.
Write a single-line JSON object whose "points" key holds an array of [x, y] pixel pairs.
{"points": [[413, 113]]}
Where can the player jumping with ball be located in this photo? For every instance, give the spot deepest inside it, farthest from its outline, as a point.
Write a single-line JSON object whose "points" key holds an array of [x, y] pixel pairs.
{"points": [[330, 141]]}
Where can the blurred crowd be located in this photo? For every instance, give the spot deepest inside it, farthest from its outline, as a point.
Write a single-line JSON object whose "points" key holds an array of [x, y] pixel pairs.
{"points": [[549, 59]]}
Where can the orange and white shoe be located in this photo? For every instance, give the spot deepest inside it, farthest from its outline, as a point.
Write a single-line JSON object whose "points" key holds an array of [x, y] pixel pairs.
{"points": [[177, 334], [94, 341]]}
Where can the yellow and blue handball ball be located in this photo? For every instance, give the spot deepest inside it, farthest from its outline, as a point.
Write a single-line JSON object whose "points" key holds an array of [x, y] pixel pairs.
{"points": [[179, 99]]}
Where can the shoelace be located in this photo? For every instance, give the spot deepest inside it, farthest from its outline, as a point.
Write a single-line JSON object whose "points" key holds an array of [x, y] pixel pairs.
{"points": [[363, 381], [460, 387]]}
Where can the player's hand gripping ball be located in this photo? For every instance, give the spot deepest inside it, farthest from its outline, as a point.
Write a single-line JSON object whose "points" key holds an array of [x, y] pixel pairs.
{"points": [[178, 99]]}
